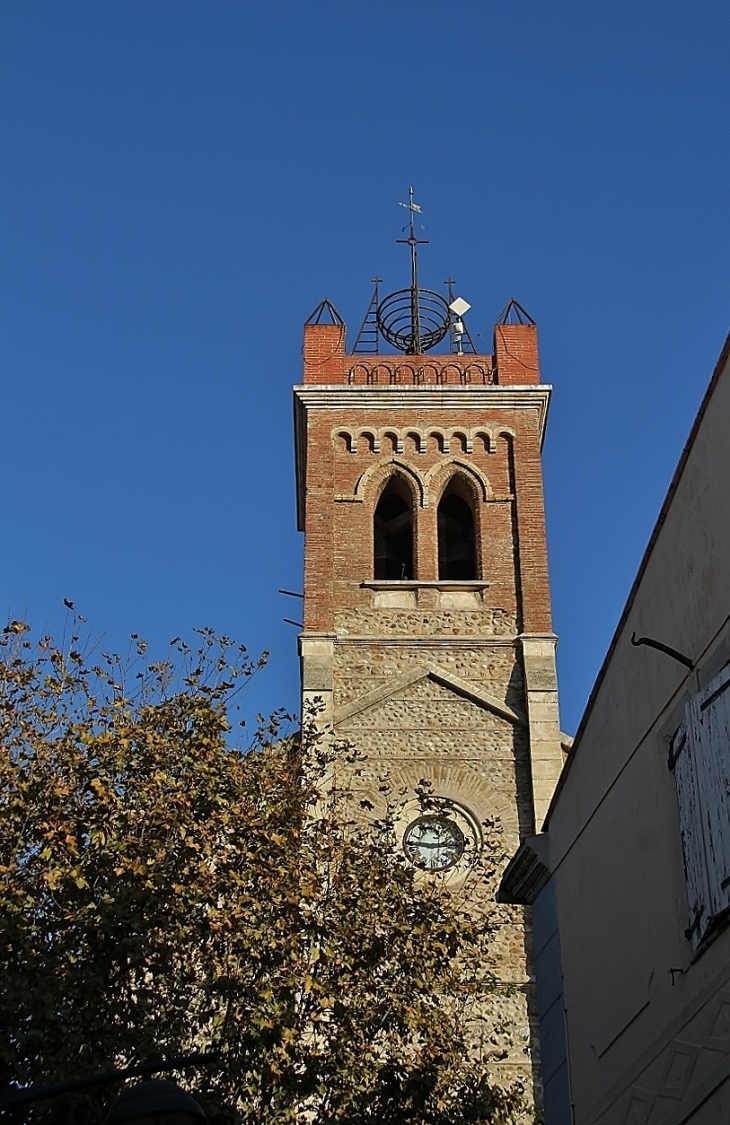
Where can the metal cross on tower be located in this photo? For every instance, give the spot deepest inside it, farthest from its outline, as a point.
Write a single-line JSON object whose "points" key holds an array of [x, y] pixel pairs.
{"points": [[414, 243], [413, 320]]}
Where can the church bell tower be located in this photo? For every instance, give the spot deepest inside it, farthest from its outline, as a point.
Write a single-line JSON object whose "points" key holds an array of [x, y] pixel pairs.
{"points": [[427, 639]]}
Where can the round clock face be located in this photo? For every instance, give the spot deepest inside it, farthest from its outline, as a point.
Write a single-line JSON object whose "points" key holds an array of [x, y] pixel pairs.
{"points": [[434, 842]]}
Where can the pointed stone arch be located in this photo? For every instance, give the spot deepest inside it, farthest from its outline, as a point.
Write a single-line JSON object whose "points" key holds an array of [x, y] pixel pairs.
{"points": [[461, 477], [439, 475], [374, 479]]}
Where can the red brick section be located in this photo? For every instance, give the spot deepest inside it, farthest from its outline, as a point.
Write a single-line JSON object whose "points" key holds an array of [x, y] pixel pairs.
{"points": [[353, 521], [515, 353], [514, 363], [531, 533], [320, 516], [324, 353], [339, 531], [420, 370]]}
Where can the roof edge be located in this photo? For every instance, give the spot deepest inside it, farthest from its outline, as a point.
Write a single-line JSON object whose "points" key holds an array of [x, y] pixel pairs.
{"points": [[660, 520]]}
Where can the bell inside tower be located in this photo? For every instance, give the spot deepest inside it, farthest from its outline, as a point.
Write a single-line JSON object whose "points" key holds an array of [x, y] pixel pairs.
{"points": [[456, 539], [393, 535]]}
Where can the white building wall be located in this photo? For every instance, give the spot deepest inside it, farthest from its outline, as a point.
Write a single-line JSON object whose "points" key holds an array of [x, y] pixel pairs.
{"points": [[646, 1038]]}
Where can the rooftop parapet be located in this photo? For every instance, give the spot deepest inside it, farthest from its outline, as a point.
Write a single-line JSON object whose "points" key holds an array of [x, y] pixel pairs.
{"points": [[514, 361]]}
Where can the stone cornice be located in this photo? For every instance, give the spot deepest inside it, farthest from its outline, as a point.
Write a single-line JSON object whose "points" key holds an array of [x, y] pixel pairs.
{"points": [[418, 641], [415, 584], [352, 397]]}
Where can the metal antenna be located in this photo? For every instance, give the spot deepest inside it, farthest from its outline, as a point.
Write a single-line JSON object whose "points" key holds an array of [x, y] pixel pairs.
{"points": [[413, 242], [457, 324]]}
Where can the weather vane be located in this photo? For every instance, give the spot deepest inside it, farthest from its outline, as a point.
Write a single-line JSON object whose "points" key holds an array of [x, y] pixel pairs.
{"points": [[413, 242], [413, 320]]}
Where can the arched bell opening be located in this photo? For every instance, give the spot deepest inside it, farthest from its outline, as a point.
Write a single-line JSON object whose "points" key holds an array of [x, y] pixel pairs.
{"points": [[393, 532], [457, 553]]}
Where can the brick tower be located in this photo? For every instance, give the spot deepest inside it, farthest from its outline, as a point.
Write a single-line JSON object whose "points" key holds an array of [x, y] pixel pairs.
{"points": [[427, 636]]}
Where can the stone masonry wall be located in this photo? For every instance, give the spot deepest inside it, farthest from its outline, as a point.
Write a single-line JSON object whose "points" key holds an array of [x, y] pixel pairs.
{"points": [[480, 761], [376, 661]]}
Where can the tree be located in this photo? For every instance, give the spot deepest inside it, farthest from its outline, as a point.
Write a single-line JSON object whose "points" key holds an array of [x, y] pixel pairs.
{"points": [[164, 891]]}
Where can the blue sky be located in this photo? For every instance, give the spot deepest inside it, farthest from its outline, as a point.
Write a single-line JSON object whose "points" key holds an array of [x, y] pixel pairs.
{"points": [[181, 182]]}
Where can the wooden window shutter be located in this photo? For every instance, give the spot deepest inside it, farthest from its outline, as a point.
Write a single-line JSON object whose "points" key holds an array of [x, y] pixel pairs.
{"points": [[682, 760], [700, 758], [709, 720]]}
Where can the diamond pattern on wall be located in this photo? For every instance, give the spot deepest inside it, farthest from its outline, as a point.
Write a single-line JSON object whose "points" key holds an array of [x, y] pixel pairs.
{"points": [[638, 1106], [679, 1071], [719, 1038]]}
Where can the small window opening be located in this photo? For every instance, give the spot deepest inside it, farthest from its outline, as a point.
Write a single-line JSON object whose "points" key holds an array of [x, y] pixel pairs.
{"points": [[456, 539], [393, 536]]}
